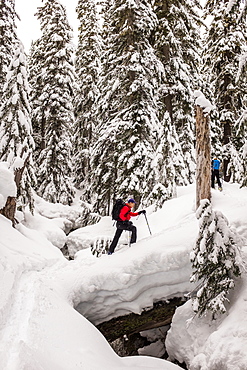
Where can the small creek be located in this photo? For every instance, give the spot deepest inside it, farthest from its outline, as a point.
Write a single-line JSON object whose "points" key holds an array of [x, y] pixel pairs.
{"points": [[133, 335], [144, 334]]}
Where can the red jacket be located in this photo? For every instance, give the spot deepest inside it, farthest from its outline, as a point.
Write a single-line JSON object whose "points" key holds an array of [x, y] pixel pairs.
{"points": [[126, 213]]}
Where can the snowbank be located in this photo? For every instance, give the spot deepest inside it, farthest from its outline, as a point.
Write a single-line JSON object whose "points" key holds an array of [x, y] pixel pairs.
{"points": [[206, 344], [57, 210], [52, 230], [173, 213], [132, 279], [203, 102], [40, 329], [220, 344], [19, 254], [156, 267], [49, 221], [87, 237]]}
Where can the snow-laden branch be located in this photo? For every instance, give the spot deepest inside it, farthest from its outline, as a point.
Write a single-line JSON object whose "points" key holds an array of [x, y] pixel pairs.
{"points": [[242, 64], [202, 102]]}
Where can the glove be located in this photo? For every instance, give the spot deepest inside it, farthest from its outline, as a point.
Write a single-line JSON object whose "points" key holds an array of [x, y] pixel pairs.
{"points": [[144, 212]]}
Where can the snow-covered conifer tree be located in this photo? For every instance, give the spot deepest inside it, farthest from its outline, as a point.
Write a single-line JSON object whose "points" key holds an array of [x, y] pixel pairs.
{"points": [[129, 126], [243, 154], [215, 133], [164, 168], [16, 141], [177, 44], [87, 65], [216, 260], [36, 81], [235, 166], [240, 129], [241, 133], [225, 43], [55, 82], [8, 38]]}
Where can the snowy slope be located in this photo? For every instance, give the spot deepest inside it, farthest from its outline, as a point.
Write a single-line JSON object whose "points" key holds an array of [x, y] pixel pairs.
{"points": [[40, 329], [156, 267], [220, 344]]}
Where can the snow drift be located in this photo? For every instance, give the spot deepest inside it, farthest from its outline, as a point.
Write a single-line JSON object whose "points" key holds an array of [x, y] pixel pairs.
{"points": [[41, 330]]}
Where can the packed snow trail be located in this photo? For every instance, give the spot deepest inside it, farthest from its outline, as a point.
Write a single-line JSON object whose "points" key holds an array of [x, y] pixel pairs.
{"points": [[16, 333]]}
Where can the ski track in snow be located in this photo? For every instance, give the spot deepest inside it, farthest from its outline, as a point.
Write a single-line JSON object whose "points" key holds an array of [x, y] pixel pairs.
{"points": [[16, 332]]}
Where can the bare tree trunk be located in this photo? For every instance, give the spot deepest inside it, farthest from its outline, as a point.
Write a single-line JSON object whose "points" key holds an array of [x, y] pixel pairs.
{"points": [[203, 157], [9, 209], [19, 172], [226, 140], [10, 206], [42, 144]]}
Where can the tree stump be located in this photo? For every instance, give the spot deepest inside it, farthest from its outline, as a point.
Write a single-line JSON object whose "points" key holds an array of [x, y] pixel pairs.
{"points": [[9, 209], [203, 156]]}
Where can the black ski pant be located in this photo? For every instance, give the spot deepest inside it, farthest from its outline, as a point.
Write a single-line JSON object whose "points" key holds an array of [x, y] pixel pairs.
{"points": [[123, 225], [215, 173]]}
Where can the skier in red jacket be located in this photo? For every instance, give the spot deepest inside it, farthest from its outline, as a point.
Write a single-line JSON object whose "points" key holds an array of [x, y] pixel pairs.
{"points": [[124, 223]]}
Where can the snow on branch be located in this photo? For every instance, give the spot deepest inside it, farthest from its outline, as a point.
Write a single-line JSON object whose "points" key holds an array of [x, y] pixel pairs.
{"points": [[216, 260], [242, 65], [202, 102], [230, 5]]}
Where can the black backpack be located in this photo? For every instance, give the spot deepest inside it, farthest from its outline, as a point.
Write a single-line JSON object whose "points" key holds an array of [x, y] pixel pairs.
{"points": [[117, 208]]}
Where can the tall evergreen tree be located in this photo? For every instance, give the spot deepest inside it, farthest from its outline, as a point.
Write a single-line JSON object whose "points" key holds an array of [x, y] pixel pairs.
{"points": [[164, 168], [16, 141], [235, 166], [36, 62], [177, 44], [241, 133], [54, 107], [87, 67], [241, 124], [216, 260], [8, 38], [224, 45], [243, 154], [130, 130]]}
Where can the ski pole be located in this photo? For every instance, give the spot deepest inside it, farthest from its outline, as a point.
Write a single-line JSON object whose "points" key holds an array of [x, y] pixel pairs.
{"points": [[147, 223]]}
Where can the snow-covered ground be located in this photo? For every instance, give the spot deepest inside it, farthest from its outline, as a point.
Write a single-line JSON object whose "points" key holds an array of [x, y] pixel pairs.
{"points": [[39, 327], [39, 288], [220, 344]]}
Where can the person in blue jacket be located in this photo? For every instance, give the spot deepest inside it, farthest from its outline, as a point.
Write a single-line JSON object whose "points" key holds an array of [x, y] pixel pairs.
{"points": [[216, 173]]}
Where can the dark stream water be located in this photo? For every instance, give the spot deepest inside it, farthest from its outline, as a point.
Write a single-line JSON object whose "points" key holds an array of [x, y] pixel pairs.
{"points": [[130, 333]]}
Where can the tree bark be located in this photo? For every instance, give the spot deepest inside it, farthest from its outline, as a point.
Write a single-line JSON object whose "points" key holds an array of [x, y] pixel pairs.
{"points": [[203, 157], [19, 171], [226, 140], [9, 209]]}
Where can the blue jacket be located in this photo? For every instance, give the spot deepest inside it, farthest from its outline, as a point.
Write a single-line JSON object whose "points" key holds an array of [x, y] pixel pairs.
{"points": [[215, 164]]}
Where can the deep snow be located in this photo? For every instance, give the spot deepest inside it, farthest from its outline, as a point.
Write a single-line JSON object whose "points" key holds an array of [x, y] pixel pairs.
{"points": [[220, 344], [40, 329]]}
